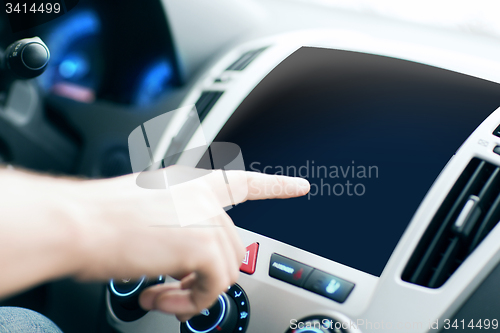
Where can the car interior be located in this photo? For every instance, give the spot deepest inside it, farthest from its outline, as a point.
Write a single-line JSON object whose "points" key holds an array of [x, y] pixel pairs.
{"points": [[390, 111]]}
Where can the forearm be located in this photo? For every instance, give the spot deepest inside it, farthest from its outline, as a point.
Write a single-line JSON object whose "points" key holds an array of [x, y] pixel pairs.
{"points": [[54, 227], [39, 238]]}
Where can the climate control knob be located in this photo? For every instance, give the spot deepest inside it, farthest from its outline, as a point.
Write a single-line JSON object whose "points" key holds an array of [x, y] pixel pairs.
{"points": [[124, 296], [230, 313], [126, 291], [221, 317]]}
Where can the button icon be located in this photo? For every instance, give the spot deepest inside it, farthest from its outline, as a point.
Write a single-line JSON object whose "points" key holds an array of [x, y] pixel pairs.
{"points": [[237, 294], [483, 143], [333, 286], [243, 315], [247, 256], [329, 286], [205, 312], [248, 264], [298, 274]]}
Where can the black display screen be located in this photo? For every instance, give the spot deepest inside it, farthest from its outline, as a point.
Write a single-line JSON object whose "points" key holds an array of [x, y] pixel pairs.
{"points": [[370, 133]]}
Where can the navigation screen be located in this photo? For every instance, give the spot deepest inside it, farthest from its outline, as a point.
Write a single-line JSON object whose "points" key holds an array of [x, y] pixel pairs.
{"points": [[370, 133]]}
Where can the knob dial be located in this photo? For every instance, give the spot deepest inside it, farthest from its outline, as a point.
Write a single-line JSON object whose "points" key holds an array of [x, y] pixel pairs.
{"points": [[221, 318], [230, 313], [124, 297], [126, 291]]}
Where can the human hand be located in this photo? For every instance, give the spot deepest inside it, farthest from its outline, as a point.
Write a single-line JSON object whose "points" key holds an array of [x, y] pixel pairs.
{"points": [[133, 236]]}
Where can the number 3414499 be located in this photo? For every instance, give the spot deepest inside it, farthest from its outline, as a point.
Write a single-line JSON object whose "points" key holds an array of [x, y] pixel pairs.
{"points": [[485, 324], [24, 8]]}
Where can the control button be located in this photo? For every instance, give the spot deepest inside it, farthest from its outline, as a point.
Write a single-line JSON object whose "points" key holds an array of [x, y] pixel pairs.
{"points": [[496, 150], [250, 261], [209, 318], [288, 270], [329, 286], [125, 287], [497, 131]]}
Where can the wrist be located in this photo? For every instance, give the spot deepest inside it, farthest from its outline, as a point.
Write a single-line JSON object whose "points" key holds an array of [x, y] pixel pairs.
{"points": [[67, 225], [90, 235]]}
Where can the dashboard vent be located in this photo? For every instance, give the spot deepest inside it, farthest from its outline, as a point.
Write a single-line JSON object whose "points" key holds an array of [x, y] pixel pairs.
{"points": [[467, 215], [203, 105], [245, 60], [206, 102]]}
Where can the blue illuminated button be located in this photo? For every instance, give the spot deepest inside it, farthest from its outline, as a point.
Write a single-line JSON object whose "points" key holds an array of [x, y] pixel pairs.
{"points": [[328, 285], [288, 270]]}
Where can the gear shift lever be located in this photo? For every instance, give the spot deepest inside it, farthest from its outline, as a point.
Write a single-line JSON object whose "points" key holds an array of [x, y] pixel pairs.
{"points": [[24, 59]]}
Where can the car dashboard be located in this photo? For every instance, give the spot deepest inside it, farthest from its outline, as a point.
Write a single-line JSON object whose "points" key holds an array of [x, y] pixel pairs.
{"points": [[398, 232]]}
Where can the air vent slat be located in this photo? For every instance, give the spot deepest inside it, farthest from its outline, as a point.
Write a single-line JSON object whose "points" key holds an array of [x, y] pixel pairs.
{"points": [[206, 102], [421, 271], [245, 60], [489, 221], [441, 272], [490, 188], [241, 63], [488, 197], [470, 210]]}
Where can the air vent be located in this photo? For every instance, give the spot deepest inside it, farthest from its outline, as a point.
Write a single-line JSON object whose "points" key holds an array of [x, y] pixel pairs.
{"points": [[206, 102], [467, 215], [245, 60]]}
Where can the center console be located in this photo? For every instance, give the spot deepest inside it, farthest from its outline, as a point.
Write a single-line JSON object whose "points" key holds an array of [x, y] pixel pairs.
{"points": [[399, 228]]}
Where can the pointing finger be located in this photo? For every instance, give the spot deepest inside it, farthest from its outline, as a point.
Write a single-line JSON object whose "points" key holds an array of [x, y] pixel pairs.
{"points": [[234, 187]]}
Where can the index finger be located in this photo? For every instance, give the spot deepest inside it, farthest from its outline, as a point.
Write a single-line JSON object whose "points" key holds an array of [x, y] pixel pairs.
{"points": [[234, 187]]}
